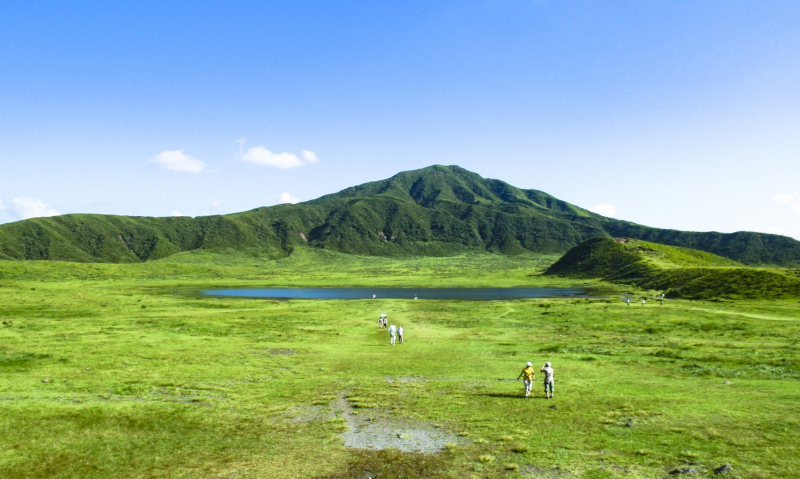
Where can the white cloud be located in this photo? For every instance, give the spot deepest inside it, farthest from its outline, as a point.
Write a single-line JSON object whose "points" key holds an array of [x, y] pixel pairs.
{"points": [[25, 208], [604, 209], [262, 156], [176, 213], [787, 199], [240, 142], [178, 161], [288, 198], [310, 156]]}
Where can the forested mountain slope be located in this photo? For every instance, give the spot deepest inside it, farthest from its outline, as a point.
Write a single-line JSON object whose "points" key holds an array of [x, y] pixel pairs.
{"points": [[439, 210]]}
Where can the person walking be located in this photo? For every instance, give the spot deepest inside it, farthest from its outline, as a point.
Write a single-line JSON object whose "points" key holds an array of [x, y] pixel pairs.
{"points": [[642, 301], [400, 333], [549, 380], [392, 333], [528, 376], [629, 301]]}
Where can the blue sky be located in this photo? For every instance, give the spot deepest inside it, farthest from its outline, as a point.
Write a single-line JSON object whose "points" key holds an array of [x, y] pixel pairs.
{"points": [[672, 114]]}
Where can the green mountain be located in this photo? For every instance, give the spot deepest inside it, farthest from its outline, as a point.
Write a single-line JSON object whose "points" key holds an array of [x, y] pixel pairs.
{"points": [[680, 272], [439, 210]]}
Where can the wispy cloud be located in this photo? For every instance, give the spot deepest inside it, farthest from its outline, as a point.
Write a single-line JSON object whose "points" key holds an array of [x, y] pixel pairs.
{"points": [[240, 142], [790, 200], [25, 208], [177, 160], [310, 156], [604, 209], [288, 198]]}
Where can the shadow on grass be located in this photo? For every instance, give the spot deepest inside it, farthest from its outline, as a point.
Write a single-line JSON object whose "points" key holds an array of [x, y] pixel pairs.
{"points": [[508, 396], [393, 464]]}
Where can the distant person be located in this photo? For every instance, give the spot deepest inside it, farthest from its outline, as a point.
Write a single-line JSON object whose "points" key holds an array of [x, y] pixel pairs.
{"points": [[629, 301], [662, 302], [415, 296], [400, 333], [662, 295], [392, 333], [642, 301], [373, 296], [380, 323], [549, 380], [528, 376]]}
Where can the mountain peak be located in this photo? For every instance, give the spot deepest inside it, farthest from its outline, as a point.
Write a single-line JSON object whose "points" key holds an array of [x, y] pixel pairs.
{"points": [[454, 184], [437, 210]]}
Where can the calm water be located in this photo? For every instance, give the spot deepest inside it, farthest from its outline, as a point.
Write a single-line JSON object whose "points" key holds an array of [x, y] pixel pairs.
{"points": [[469, 294]]}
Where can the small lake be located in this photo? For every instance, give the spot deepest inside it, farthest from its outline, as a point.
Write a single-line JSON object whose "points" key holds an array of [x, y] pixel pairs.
{"points": [[467, 294]]}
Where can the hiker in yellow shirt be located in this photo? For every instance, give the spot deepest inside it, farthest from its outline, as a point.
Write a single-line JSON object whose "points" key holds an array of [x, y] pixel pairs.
{"points": [[529, 377]]}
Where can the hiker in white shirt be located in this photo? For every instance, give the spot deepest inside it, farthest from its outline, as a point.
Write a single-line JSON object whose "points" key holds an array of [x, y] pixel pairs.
{"points": [[392, 333], [400, 333], [549, 380]]}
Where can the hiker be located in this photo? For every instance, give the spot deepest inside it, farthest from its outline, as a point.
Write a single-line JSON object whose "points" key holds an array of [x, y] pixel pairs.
{"points": [[629, 301], [415, 296], [642, 301], [392, 333], [373, 296], [529, 376], [548, 380], [662, 302], [400, 333]]}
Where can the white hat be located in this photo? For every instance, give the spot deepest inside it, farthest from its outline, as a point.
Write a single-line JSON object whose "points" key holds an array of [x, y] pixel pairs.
{"points": [[547, 364], [529, 363]]}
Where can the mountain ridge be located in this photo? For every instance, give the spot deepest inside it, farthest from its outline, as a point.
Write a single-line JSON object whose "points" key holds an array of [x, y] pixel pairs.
{"points": [[438, 210], [677, 271]]}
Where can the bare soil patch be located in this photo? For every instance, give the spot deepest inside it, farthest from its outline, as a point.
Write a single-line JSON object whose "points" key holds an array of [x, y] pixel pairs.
{"points": [[384, 433]]}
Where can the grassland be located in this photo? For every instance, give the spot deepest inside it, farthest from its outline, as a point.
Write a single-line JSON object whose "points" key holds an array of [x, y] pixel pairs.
{"points": [[681, 272], [107, 372]]}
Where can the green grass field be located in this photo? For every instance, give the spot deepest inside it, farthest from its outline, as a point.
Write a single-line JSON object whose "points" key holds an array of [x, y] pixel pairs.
{"points": [[106, 372]]}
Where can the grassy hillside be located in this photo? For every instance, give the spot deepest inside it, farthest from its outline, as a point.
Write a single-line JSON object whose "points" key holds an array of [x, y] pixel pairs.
{"points": [[105, 373], [680, 272], [435, 211]]}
